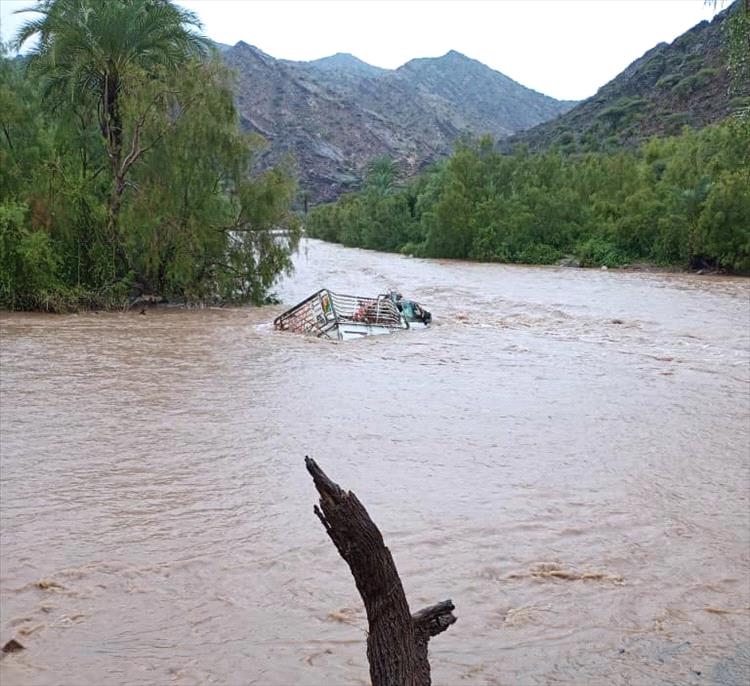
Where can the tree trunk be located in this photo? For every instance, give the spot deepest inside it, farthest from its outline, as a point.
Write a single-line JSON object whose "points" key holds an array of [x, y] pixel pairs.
{"points": [[110, 122], [396, 641]]}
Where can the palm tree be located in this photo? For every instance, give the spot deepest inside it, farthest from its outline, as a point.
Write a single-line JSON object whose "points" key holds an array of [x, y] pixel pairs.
{"points": [[92, 52], [381, 174]]}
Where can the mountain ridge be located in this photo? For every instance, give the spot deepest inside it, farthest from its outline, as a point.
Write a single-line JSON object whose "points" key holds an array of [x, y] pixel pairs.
{"points": [[346, 62], [336, 113], [682, 83]]}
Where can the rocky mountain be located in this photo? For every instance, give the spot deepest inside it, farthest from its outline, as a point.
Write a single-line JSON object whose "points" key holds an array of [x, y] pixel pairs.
{"points": [[335, 114], [342, 63], [672, 85]]}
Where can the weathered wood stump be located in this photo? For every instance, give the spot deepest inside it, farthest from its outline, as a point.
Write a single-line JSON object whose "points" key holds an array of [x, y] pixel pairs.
{"points": [[397, 640]]}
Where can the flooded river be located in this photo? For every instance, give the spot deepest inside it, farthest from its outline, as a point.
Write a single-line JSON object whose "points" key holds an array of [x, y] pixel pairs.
{"points": [[565, 454]]}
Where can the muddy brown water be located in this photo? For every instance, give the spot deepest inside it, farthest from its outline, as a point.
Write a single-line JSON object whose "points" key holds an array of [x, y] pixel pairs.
{"points": [[578, 487]]}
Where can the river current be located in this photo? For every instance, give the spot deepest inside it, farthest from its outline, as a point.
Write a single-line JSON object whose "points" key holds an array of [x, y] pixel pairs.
{"points": [[565, 453]]}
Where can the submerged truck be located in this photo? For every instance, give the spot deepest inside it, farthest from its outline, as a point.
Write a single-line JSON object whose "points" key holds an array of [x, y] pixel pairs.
{"points": [[335, 316]]}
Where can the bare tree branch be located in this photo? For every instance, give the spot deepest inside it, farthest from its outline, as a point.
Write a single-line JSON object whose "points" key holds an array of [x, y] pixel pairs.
{"points": [[396, 641]]}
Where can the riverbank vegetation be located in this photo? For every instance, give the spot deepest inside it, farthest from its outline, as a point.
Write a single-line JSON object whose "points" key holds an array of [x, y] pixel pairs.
{"points": [[680, 201], [123, 171]]}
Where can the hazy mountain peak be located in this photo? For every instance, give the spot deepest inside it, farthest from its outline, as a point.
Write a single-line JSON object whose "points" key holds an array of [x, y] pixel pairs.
{"points": [[348, 63], [243, 47], [456, 55], [456, 66]]}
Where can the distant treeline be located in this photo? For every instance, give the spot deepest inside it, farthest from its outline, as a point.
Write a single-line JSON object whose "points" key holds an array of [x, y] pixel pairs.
{"points": [[681, 201], [123, 170]]}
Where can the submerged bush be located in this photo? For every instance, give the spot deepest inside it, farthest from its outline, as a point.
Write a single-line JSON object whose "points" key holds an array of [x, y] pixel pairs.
{"points": [[539, 253], [597, 252]]}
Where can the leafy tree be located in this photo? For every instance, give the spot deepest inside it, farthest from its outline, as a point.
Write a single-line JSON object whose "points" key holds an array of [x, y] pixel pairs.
{"points": [[94, 53], [28, 264], [102, 199], [725, 221], [381, 174], [678, 200]]}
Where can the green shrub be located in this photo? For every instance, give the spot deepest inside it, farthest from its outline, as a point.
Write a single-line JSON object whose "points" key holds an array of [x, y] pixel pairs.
{"points": [[597, 252], [674, 122], [654, 66], [692, 61], [29, 264], [725, 221], [539, 253], [412, 249], [686, 86], [739, 102], [624, 111], [706, 74], [668, 81], [694, 82]]}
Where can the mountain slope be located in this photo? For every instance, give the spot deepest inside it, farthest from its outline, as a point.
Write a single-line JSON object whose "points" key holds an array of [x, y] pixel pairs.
{"points": [[328, 134], [672, 85], [477, 97], [335, 114], [345, 63]]}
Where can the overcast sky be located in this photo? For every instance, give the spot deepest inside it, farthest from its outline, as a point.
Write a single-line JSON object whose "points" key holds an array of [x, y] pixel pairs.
{"points": [[564, 48]]}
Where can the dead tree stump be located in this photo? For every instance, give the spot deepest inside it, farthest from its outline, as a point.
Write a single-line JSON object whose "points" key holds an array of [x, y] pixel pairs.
{"points": [[397, 640]]}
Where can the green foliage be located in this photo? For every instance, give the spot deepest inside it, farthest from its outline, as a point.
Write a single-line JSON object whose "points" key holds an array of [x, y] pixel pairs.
{"points": [[655, 66], [381, 174], [739, 102], [694, 82], [29, 265], [123, 169], [668, 81], [539, 253], [738, 46], [680, 201], [725, 221], [674, 122], [598, 251], [623, 111]]}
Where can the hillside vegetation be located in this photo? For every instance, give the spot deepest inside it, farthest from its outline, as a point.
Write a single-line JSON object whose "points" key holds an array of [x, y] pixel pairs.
{"points": [[680, 200], [701, 78], [595, 186]]}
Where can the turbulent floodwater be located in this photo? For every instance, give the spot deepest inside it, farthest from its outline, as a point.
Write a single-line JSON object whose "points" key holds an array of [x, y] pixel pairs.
{"points": [[565, 454]]}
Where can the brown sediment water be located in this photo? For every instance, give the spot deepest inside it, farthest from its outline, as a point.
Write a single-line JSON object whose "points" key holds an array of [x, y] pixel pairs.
{"points": [[564, 453]]}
